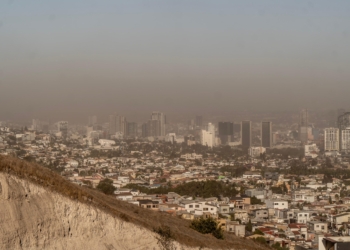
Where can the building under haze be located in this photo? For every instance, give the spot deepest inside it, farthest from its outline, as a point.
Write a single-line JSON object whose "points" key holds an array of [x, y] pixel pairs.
{"points": [[344, 131], [226, 132], [331, 139], [117, 124], [131, 129], [340, 112], [207, 138], [92, 121], [211, 129], [266, 134], [304, 126], [112, 124], [246, 131], [199, 121], [62, 127], [144, 130], [159, 128]]}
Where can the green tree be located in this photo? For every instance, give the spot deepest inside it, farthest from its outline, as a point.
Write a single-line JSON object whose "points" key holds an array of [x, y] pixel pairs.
{"points": [[249, 226], [255, 201], [207, 226], [257, 231], [106, 186]]}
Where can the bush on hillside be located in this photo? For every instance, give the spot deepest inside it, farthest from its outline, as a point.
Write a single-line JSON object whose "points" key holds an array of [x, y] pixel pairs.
{"points": [[106, 186], [207, 226]]}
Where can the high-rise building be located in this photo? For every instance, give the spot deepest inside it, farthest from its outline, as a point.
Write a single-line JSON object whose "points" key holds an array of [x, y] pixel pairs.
{"points": [[144, 130], [340, 112], [207, 138], [117, 124], [112, 124], [153, 128], [331, 139], [246, 134], [159, 129], [122, 125], [304, 126], [199, 121], [304, 118], [131, 130], [226, 132], [62, 127], [211, 129], [92, 121], [344, 131], [266, 134]]}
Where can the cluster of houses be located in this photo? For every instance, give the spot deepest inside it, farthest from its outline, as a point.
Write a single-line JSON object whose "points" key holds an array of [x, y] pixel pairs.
{"points": [[297, 211]]}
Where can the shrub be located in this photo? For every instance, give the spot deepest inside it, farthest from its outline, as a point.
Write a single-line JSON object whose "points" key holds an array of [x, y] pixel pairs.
{"points": [[106, 186], [207, 226], [261, 240], [165, 238], [257, 231]]}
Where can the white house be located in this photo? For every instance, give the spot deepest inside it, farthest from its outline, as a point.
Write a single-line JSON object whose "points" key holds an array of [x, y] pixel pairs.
{"points": [[200, 207], [276, 204], [124, 196]]}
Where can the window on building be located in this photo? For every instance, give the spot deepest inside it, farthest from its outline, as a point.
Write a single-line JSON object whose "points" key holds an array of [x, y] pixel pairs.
{"points": [[191, 206]]}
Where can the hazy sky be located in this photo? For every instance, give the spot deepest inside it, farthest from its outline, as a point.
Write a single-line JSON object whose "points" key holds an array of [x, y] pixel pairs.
{"points": [[71, 58]]}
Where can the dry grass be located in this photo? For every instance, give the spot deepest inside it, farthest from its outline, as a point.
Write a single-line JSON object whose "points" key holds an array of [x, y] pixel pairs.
{"points": [[125, 211]]}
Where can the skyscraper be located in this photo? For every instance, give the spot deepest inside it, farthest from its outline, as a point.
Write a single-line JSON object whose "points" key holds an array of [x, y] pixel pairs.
{"points": [[226, 132], [62, 127], [340, 112], [131, 130], [331, 139], [206, 138], [122, 125], [304, 118], [112, 124], [344, 131], [304, 126], [199, 121], [246, 134], [144, 130], [266, 134], [211, 129], [159, 129], [117, 124], [92, 121]]}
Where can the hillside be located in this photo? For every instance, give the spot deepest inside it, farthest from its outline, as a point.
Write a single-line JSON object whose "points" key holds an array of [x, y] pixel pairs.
{"points": [[41, 210]]}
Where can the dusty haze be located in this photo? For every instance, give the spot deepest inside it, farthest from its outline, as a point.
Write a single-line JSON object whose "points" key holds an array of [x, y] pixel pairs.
{"points": [[72, 58]]}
